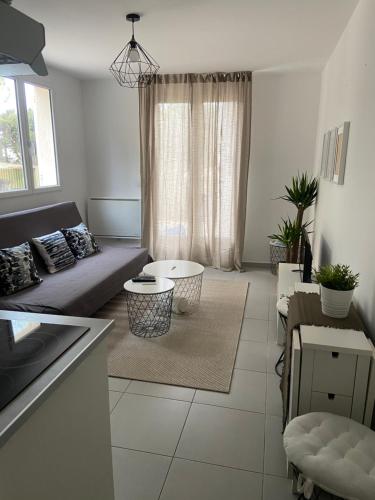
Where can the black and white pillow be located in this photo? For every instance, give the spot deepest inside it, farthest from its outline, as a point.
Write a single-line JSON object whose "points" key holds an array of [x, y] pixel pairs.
{"points": [[55, 251], [17, 269], [81, 242]]}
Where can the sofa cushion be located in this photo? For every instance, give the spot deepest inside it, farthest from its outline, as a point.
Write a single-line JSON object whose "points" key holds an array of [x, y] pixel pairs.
{"points": [[17, 227], [17, 269], [55, 251], [81, 290], [81, 242]]}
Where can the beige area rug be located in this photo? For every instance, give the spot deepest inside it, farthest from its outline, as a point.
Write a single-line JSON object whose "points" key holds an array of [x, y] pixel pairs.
{"points": [[200, 349]]}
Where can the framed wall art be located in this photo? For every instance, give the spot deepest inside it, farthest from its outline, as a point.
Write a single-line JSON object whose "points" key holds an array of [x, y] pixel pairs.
{"points": [[331, 154], [325, 152], [342, 136]]}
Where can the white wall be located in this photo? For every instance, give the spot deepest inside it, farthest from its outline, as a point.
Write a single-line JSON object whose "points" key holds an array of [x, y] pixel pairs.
{"points": [[112, 139], [285, 111], [345, 214], [67, 101], [284, 122]]}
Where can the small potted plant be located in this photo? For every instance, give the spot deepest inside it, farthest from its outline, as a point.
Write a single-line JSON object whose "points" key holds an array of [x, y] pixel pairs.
{"points": [[337, 284]]}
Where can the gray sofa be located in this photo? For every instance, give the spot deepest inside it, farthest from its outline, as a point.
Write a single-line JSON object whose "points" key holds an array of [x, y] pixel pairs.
{"points": [[79, 290]]}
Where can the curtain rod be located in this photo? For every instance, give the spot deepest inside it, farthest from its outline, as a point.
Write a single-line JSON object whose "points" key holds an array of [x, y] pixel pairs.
{"points": [[191, 77]]}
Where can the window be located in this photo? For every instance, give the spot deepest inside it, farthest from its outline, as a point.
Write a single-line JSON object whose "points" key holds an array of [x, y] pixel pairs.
{"points": [[176, 168], [27, 145], [12, 173], [173, 175]]}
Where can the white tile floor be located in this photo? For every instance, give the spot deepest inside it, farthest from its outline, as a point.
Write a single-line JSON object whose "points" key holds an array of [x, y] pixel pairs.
{"points": [[173, 443]]}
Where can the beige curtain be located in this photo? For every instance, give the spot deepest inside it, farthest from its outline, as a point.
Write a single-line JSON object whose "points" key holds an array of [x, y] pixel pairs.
{"points": [[195, 148]]}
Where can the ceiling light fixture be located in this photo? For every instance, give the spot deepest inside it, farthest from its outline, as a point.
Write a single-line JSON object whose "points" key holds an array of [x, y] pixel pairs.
{"points": [[134, 67]]}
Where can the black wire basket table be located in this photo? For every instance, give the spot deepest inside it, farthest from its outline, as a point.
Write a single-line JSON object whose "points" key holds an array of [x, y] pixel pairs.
{"points": [[149, 307]]}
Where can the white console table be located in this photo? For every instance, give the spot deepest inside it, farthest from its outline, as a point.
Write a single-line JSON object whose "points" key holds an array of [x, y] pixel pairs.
{"points": [[332, 370]]}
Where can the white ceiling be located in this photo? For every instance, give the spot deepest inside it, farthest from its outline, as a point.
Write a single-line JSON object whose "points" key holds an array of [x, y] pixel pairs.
{"points": [[84, 36]]}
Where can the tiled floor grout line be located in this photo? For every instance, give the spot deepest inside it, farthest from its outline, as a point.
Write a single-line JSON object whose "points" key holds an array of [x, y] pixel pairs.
{"points": [[230, 408], [114, 390], [141, 451], [257, 371], [241, 370], [159, 397], [174, 453], [183, 427], [117, 402], [258, 341], [265, 421], [207, 404], [258, 319], [220, 465], [198, 461]]}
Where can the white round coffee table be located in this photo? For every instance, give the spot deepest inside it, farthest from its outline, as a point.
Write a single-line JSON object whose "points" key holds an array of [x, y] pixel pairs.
{"points": [[187, 276], [149, 307]]}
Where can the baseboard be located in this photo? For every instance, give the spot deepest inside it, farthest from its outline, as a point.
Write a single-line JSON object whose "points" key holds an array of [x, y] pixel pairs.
{"points": [[262, 265]]}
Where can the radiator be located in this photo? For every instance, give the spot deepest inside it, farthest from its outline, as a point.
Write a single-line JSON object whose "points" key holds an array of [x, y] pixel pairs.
{"points": [[115, 217]]}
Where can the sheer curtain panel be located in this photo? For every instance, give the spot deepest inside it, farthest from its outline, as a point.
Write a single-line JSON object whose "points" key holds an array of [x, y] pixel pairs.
{"points": [[195, 148]]}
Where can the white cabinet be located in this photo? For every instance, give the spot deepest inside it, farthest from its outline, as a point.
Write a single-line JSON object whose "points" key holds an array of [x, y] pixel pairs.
{"points": [[330, 371]]}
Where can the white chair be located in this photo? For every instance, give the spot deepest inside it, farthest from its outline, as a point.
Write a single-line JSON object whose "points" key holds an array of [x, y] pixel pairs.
{"points": [[334, 453]]}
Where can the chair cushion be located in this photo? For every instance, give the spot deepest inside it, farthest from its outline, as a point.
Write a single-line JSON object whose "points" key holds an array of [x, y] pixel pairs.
{"points": [[282, 306], [55, 251], [81, 242], [336, 453], [17, 269]]}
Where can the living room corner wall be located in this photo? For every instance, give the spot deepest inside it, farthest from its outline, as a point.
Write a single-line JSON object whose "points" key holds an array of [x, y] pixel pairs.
{"points": [[283, 135], [345, 214], [112, 139], [70, 145]]}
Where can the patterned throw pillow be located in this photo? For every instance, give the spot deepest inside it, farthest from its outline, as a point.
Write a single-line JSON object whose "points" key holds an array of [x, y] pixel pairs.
{"points": [[81, 242], [17, 269], [55, 251]]}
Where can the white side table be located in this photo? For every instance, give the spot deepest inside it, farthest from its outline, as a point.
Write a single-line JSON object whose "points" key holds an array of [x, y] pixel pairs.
{"points": [[187, 276], [149, 307]]}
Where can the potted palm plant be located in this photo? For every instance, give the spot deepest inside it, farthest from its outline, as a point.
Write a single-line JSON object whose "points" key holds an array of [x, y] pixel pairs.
{"points": [[289, 234], [337, 285], [302, 194]]}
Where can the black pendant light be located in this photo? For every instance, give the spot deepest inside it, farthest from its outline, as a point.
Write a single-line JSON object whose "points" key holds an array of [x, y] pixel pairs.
{"points": [[134, 67]]}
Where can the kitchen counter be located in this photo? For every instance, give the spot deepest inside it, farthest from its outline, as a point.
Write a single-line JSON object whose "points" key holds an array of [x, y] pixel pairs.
{"points": [[57, 429]]}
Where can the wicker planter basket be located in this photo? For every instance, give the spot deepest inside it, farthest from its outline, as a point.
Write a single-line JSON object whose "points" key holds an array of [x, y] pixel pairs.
{"points": [[277, 254]]}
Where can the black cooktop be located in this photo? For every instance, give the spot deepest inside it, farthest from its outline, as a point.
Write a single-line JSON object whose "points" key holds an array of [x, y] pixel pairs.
{"points": [[27, 348]]}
